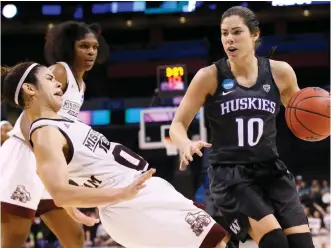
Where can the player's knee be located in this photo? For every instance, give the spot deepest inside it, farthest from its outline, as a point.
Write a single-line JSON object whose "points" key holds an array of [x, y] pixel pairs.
{"points": [[79, 237], [274, 239], [300, 240]]}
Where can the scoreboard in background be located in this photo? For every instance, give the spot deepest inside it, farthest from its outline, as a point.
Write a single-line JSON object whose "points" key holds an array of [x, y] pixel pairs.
{"points": [[171, 80]]}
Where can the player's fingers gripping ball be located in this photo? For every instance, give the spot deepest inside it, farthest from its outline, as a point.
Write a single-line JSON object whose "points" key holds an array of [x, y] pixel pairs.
{"points": [[308, 114]]}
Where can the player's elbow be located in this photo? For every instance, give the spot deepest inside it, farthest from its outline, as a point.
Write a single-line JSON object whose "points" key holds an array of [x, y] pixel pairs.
{"points": [[60, 196]]}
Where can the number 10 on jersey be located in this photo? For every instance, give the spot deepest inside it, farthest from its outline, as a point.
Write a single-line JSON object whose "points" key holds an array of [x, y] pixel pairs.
{"points": [[246, 131]]}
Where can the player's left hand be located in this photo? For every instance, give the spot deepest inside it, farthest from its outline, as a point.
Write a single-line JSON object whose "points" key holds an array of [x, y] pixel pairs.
{"points": [[79, 217], [190, 148]]}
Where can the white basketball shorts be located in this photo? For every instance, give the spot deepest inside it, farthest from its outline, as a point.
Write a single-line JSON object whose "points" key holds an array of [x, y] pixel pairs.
{"points": [[20, 184], [158, 217]]}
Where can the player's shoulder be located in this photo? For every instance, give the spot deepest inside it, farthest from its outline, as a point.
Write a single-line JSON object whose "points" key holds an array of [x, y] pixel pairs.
{"points": [[207, 73], [280, 68], [59, 72], [48, 134]]}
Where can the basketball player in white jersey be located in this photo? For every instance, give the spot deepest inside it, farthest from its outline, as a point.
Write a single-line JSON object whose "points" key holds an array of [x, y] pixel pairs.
{"points": [[68, 150], [5, 127], [76, 46]]}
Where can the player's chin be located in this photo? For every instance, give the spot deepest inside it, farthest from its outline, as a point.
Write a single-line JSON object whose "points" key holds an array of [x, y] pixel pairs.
{"points": [[89, 66], [56, 105]]}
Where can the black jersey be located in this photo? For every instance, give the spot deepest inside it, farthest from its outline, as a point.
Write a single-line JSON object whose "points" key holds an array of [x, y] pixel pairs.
{"points": [[242, 120]]}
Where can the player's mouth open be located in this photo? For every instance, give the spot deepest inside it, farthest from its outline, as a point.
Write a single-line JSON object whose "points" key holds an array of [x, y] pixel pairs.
{"points": [[232, 49], [60, 93]]}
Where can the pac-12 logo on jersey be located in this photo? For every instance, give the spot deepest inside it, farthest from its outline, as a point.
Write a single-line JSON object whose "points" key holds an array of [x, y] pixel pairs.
{"points": [[95, 139], [228, 84]]}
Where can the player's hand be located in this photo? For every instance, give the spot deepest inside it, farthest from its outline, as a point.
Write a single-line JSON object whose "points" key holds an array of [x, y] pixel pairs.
{"points": [[133, 188], [80, 217], [192, 147]]}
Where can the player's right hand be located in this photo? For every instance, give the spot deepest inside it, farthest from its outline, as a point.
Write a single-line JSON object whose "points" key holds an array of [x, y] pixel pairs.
{"points": [[133, 188], [190, 148], [80, 217]]}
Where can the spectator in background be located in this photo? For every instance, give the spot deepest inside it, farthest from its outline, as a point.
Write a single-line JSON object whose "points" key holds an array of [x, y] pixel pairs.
{"points": [[315, 223], [5, 127], [325, 214], [90, 231], [315, 186], [325, 186], [302, 188], [30, 241]]}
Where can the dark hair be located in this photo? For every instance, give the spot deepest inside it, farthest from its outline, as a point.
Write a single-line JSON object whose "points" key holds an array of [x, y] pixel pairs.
{"points": [[10, 77], [60, 41], [248, 16]]}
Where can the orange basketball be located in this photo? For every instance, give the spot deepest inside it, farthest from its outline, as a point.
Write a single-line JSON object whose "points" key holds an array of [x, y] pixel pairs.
{"points": [[308, 114]]}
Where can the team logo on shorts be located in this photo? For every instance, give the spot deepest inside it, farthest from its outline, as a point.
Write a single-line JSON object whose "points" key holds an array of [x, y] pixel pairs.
{"points": [[228, 84], [235, 227], [198, 221], [21, 194]]}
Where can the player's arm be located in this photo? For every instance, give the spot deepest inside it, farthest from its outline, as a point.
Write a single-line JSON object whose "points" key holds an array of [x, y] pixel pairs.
{"points": [[285, 80], [48, 143], [203, 83], [60, 75]]}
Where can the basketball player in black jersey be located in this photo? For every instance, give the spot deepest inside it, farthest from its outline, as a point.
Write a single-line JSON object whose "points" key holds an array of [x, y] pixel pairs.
{"points": [[242, 95]]}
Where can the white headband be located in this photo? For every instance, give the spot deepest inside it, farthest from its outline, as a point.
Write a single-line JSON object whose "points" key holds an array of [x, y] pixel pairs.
{"points": [[20, 83], [3, 123]]}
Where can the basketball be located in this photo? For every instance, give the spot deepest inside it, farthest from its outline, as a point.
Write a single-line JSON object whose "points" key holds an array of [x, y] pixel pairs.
{"points": [[308, 114]]}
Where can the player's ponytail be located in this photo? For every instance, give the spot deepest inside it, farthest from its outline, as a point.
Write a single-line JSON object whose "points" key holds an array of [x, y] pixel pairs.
{"points": [[4, 72], [272, 51], [12, 79], [96, 28]]}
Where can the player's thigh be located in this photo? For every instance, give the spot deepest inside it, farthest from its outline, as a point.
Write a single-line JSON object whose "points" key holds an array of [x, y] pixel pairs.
{"points": [[69, 232], [285, 199], [144, 220], [239, 200], [14, 230], [263, 226]]}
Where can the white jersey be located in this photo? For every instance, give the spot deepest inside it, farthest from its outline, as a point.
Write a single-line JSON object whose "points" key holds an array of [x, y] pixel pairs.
{"points": [[94, 161], [73, 99]]}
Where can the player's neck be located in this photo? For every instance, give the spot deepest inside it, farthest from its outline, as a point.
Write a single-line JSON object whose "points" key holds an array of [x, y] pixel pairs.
{"points": [[78, 75], [244, 66], [41, 112]]}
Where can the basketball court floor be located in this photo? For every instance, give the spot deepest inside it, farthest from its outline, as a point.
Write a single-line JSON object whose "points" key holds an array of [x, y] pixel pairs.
{"points": [[319, 242]]}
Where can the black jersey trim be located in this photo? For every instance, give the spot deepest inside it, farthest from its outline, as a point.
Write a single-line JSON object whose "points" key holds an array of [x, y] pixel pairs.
{"points": [[71, 147], [271, 75], [51, 119]]}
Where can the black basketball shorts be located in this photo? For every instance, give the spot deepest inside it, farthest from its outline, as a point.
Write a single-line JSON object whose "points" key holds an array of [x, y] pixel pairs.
{"points": [[255, 191]]}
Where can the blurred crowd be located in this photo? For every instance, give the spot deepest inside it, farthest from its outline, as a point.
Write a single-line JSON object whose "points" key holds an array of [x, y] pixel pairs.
{"points": [[316, 201], [315, 197]]}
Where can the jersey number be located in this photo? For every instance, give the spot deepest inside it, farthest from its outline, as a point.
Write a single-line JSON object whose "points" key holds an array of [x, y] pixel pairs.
{"points": [[128, 158], [250, 131]]}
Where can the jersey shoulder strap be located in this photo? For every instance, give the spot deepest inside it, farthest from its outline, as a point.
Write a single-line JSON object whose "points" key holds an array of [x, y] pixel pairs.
{"points": [[61, 124]]}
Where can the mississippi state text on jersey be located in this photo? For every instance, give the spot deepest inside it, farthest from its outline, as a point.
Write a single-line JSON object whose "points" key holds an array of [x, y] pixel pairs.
{"points": [[243, 120]]}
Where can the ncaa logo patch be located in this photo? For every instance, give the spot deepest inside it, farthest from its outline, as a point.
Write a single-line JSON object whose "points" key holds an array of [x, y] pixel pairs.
{"points": [[228, 84]]}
